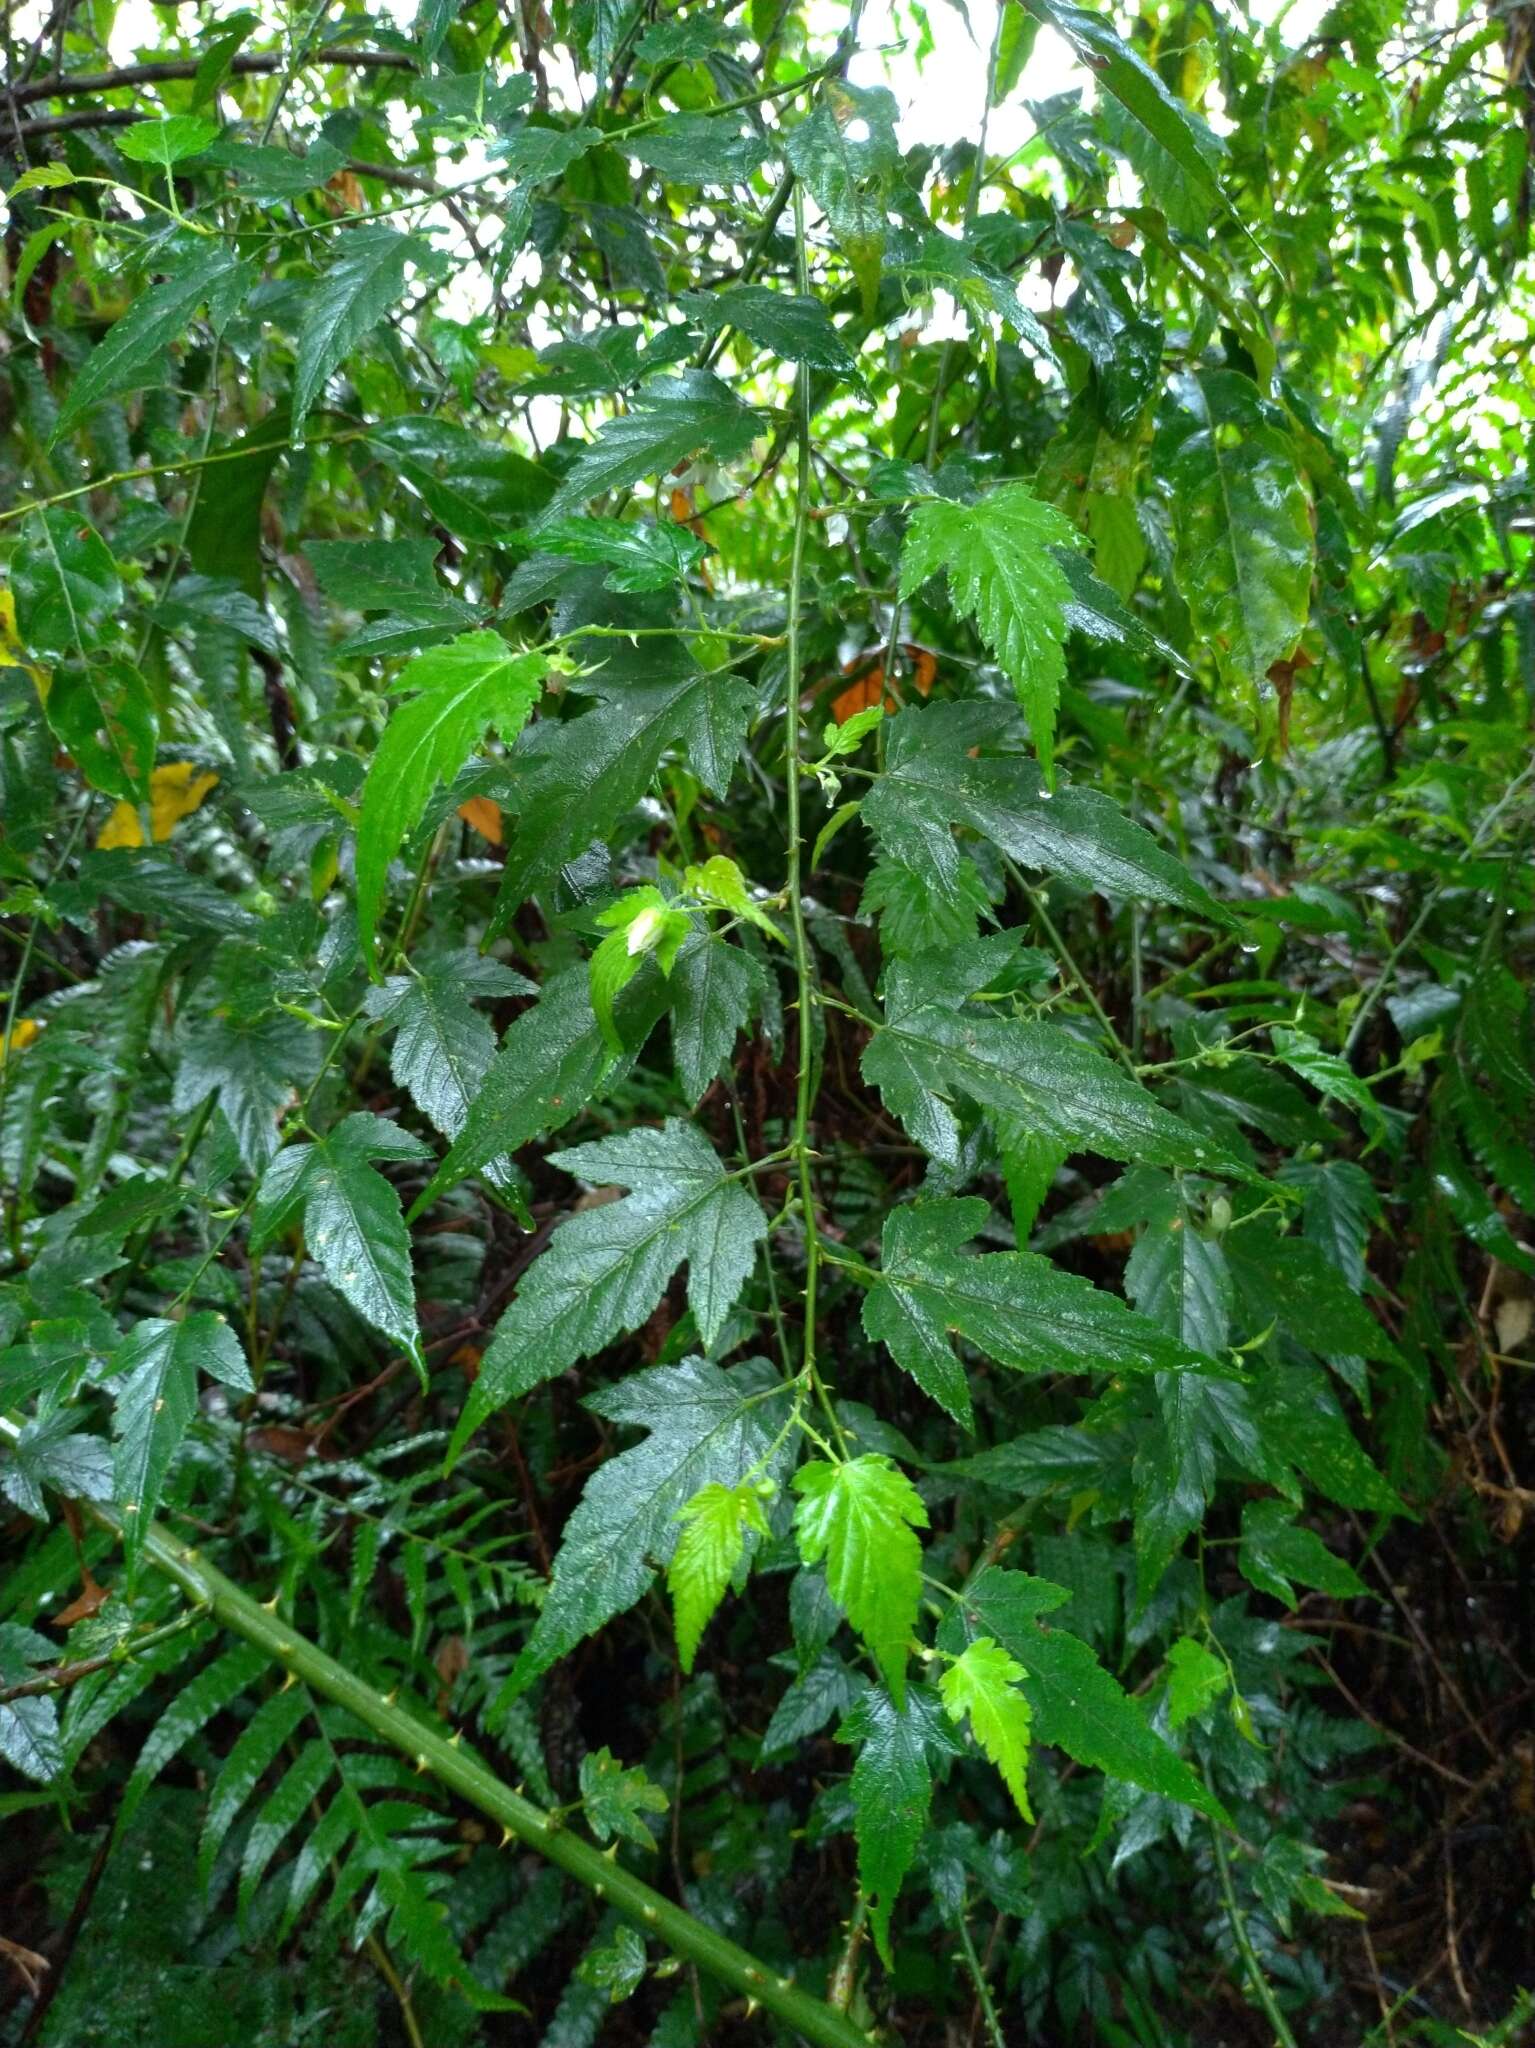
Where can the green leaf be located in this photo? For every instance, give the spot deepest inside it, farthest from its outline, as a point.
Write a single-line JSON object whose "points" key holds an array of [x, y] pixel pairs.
{"points": [[1243, 527], [1291, 1281], [251, 1065], [103, 713], [983, 1683], [616, 1800], [713, 1542], [606, 1268], [674, 418], [344, 304], [352, 1220], [699, 149], [129, 355], [1329, 1075], [715, 988], [1195, 1680], [209, 1693], [66, 586], [1180, 1279], [846, 152], [551, 1061], [158, 1363], [1301, 1421], [581, 776], [892, 1788], [1002, 574], [645, 924], [934, 780], [796, 330], [260, 1743], [641, 555], [1017, 1307], [1275, 1550], [1059, 1086], [860, 1517], [704, 1428], [1077, 1706], [1174, 151], [474, 683], [478, 489], [167, 142], [53, 1452], [29, 1727], [1338, 1206], [443, 1047]]}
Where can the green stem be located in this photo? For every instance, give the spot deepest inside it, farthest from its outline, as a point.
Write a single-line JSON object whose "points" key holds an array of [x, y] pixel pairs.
{"points": [[1262, 1989], [804, 1090], [982, 1989], [464, 1774], [1047, 924]]}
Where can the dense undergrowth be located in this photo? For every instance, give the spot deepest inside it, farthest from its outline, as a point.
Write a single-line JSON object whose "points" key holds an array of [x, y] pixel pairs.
{"points": [[767, 1070]]}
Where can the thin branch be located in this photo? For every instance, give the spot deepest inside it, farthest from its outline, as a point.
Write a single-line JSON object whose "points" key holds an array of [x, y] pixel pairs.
{"points": [[61, 85]]}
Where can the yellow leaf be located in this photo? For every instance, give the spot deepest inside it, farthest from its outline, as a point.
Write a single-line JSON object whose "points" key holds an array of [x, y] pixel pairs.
{"points": [[12, 653], [175, 791], [27, 1029], [484, 816]]}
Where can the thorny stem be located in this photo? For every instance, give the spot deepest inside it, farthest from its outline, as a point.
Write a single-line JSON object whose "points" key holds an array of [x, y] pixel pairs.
{"points": [[982, 1989], [463, 1773], [804, 1093]]}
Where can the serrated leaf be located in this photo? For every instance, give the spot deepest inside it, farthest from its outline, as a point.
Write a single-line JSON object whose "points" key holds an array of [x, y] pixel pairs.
{"points": [[714, 988], [640, 555], [159, 1362], [474, 683], [260, 1742], [551, 1061], [860, 1517], [704, 1428], [1077, 1706], [1170, 146], [1195, 1680], [606, 1269], [129, 353], [1061, 1087], [713, 1541], [846, 152], [1276, 1549], [616, 1799], [1243, 526], [193, 1707], [252, 1066], [102, 712], [983, 1683], [363, 280], [892, 1788], [699, 149], [1002, 574], [796, 330], [1016, 1306], [673, 419], [580, 777], [167, 142], [352, 1220], [29, 1727], [66, 587], [52, 1451], [935, 780]]}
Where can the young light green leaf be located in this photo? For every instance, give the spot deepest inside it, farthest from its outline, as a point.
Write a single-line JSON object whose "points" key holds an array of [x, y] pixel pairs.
{"points": [[616, 1800], [1003, 576], [605, 1269], [644, 923], [713, 1542], [704, 1427], [474, 683], [167, 142], [983, 1683], [860, 1517], [1195, 1680], [1077, 1706]]}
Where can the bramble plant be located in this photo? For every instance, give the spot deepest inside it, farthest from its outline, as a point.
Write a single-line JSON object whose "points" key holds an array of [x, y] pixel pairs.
{"points": [[766, 1071]]}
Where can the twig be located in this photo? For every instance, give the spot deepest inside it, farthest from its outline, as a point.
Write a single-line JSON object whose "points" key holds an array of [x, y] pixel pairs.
{"points": [[66, 85]]}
